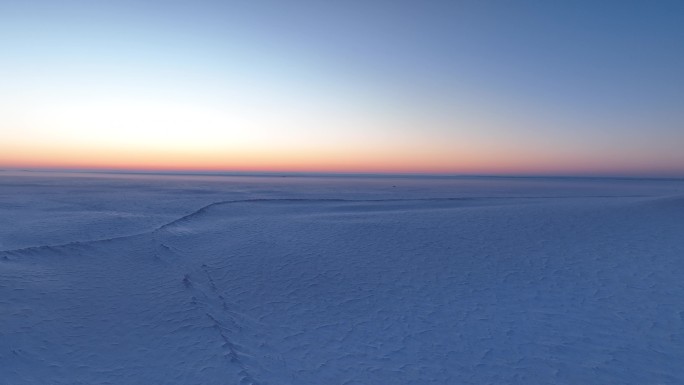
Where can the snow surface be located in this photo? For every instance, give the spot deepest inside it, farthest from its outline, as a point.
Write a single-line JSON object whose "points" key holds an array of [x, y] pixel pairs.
{"points": [[140, 279]]}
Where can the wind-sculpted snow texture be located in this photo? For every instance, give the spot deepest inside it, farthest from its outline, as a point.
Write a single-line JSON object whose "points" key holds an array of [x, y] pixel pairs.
{"points": [[298, 281]]}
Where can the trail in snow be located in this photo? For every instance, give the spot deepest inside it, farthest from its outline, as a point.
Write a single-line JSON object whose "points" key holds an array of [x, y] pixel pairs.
{"points": [[201, 210]]}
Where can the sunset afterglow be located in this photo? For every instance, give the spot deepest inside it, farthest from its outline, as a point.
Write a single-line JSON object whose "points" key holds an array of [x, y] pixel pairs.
{"points": [[271, 86]]}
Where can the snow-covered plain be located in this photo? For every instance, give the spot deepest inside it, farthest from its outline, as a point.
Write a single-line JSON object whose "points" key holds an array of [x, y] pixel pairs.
{"points": [[140, 279]]}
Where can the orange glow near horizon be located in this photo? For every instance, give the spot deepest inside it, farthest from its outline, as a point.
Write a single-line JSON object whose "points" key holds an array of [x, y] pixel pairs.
{"points": [[362, 159], [280, 134], [282, 128]]}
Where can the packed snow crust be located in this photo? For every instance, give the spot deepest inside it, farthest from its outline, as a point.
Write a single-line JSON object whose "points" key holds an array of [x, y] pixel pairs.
{"points": [[122, 279]]}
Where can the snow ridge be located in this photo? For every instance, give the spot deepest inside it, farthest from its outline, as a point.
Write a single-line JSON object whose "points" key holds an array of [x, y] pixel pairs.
{"points": [[209, 206]]}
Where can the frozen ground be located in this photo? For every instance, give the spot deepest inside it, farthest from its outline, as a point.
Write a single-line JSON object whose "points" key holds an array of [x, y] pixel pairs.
{"points": [[120, 279]]}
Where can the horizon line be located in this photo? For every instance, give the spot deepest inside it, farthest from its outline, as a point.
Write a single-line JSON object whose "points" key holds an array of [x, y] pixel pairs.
{"points": [[267, 173]]}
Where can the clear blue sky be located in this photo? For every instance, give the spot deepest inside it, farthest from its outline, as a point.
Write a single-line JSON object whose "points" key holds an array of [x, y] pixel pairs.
{"points": [[531, 87]]}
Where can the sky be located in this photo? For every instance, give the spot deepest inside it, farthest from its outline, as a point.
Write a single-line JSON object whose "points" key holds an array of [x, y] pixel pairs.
{"points": [[448, 87]]}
